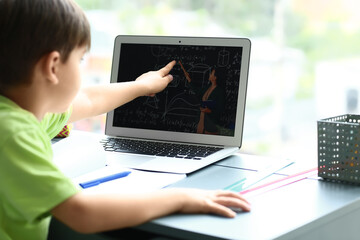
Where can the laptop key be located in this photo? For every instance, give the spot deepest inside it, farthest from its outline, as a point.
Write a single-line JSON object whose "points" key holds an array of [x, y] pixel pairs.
{"points": [[109, 149], [124, 150], [161, 154]]}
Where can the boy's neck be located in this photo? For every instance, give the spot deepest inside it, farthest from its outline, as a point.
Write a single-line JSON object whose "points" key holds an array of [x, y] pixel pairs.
{"points": [[28, 99]]}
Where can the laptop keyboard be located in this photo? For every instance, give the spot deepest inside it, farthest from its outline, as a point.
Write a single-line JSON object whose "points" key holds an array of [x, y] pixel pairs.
{"points": [[165, 149]]}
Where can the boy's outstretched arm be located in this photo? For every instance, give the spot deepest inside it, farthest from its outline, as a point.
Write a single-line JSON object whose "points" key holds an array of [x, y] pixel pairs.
{"points": [[95, 100], [96, 213]]}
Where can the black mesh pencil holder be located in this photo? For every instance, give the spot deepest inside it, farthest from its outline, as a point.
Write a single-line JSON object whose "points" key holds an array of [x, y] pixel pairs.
{"points": [[339, 148]]}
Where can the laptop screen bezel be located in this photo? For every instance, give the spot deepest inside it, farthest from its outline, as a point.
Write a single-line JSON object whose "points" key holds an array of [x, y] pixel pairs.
{"points": [[234, 141]]}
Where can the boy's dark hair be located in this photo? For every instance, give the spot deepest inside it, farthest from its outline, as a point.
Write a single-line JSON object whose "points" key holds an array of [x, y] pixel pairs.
{"points": [[29, 29]]}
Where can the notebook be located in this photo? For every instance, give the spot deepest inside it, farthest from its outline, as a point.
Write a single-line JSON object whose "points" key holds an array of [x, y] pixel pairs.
{"points": [[190, 112]]}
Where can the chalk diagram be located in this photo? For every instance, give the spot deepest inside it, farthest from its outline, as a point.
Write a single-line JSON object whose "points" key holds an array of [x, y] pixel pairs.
{"points": [[158, 51], [152, 102], [201, 73], [179, 105], [184, 104], [223, 58]]}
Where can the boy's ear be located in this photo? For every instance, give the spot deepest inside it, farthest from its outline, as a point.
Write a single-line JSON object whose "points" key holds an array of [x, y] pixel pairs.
{"points": [[50, 66]]}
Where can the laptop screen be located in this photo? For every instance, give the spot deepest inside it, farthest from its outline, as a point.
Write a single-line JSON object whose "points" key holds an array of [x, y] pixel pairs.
{"points": [[204, 104], [201, 99]]}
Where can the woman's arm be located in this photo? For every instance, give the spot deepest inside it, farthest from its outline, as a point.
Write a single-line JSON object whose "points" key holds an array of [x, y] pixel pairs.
{"points": [[187, 75]]}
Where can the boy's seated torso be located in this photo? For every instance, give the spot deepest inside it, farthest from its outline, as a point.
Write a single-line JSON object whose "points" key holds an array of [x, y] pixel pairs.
{"points": [[30, 184]]}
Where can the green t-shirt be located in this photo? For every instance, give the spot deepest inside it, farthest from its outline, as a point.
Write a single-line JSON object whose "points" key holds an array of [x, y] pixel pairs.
{"points": [[30, 184]]}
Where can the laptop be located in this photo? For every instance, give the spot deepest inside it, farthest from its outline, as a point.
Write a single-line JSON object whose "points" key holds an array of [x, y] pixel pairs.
{"points": [[189, 113]]}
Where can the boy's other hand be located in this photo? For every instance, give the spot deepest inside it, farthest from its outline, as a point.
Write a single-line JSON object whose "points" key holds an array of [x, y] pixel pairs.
{"points": [[219, 202], [156, 81]]}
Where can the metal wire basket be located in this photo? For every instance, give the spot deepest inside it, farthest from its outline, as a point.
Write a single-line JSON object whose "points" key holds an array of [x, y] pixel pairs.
{"points": [[339, 148]]}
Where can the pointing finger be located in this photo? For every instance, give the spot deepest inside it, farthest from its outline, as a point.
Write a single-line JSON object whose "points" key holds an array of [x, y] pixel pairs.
{"points": [[165, 70]]}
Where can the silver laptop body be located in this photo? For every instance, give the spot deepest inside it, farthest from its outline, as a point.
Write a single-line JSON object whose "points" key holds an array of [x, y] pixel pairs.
{"points": [[175, 114]]}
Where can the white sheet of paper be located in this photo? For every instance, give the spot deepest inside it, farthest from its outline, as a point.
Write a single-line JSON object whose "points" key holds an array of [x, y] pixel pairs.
{"points": [[266, 171], [136, 182], [77, 155], [83, 159]]}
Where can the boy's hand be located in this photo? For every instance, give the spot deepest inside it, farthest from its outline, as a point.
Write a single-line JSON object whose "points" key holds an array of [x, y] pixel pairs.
{"points": [[156, 81], [217, 202]]}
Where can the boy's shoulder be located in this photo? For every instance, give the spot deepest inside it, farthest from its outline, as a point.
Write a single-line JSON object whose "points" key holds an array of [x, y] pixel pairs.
{"points": [[15, 120]]}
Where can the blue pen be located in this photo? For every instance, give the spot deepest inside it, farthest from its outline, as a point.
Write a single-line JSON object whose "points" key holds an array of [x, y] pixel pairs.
{"points": [[104, 179]]}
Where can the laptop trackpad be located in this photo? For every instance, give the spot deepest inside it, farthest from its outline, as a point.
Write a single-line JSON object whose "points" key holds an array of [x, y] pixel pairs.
{"points": [[127, 160]]}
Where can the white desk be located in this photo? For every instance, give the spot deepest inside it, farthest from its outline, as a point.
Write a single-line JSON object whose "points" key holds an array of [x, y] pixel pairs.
{"points": [[308, 209]]}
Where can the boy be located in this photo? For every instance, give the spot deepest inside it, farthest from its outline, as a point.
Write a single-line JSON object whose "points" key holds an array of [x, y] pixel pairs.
{"points": [[41, 45]]}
